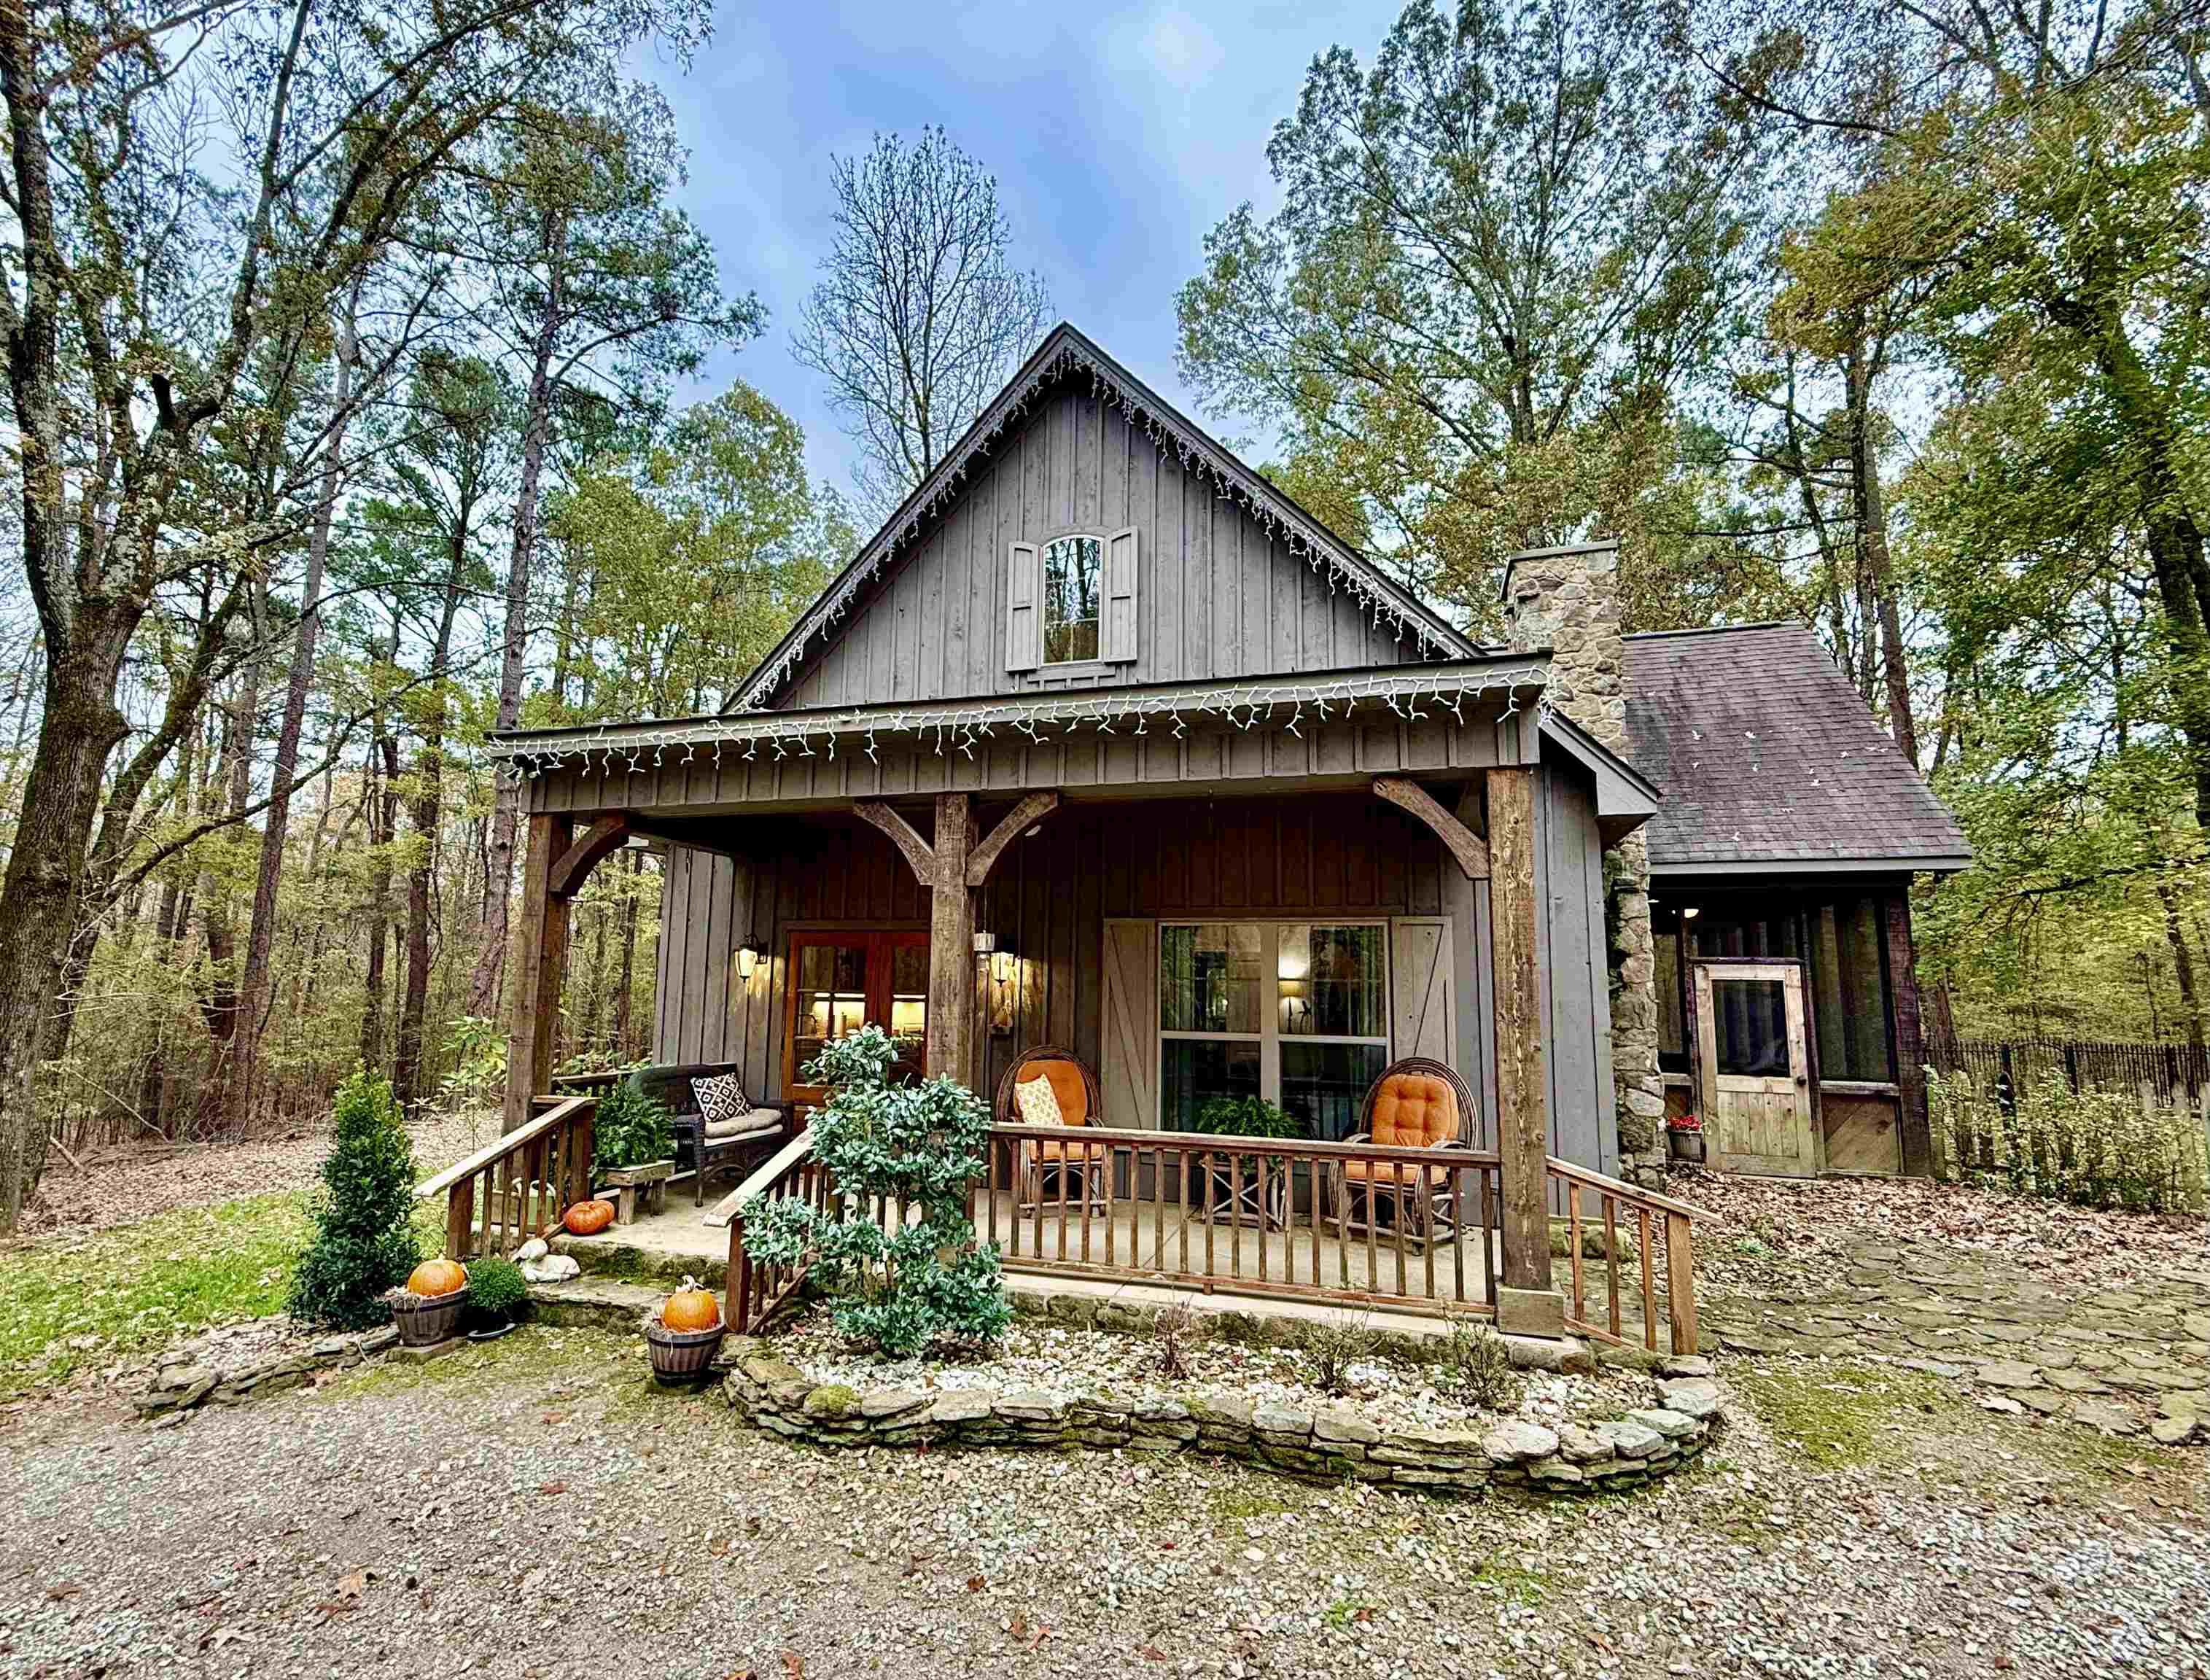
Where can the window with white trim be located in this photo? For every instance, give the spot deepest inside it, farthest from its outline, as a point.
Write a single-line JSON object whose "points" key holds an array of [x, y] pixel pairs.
{"points": [[1294, 1011]]}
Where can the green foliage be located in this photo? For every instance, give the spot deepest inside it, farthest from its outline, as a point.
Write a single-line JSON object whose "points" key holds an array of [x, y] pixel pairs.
{"points": [[477, 1047], [362, 1244], [631, 1129], [919, 1145], [1245, 1117], [2096, 1148], [495, 1288]]}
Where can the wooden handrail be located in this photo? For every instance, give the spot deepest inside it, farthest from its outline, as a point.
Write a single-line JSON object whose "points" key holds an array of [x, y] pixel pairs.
{"points": [[552, 1118], [800, 1146], [1625, 1192]]}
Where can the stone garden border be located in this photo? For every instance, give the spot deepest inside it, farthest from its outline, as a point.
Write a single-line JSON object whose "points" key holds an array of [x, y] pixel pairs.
{"points": [[179, 1385], [1329, 1444]]}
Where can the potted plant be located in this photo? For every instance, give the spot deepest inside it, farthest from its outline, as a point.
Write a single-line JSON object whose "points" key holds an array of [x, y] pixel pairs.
{"points": [[685, 1335], [1237, 1177], [1684, 1136], [497, 1289], [427, 1307], [633, 1146]]}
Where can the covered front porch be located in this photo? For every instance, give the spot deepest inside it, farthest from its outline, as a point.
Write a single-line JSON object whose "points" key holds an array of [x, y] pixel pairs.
{"points": [[1231, 916]]}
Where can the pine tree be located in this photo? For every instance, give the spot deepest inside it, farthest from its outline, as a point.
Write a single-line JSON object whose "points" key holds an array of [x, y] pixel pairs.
{"points": [[362, 1244]]}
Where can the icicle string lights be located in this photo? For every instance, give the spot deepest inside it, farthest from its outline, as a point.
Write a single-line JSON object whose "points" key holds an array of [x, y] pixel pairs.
{"points": [[1303, 540], [1409, 694]]}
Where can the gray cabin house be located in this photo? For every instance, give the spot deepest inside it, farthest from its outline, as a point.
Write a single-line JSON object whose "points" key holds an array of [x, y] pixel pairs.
{"points": [[1103, 749]]}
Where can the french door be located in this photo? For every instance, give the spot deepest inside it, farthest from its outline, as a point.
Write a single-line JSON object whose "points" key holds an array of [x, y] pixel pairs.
{"points": [[845, 979]]}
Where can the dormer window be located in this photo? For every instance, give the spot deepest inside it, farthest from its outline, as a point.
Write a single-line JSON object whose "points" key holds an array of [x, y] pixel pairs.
{"points": [[1073, 568], [1071, 600]]}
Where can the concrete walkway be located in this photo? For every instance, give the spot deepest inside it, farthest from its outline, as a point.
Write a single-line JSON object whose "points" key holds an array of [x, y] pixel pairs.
{"points": [[2120, 1360]]}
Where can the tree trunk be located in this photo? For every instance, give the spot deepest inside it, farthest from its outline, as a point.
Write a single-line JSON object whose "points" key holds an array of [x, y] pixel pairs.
{"points": [[1875, 572], [428, 805], [537, 427], [2183, 961], [254, 988], [628, 961]]}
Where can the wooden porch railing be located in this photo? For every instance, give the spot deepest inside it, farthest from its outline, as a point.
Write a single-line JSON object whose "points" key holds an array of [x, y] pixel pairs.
{"points": [[751, 1292], [1363, 1224], [519, 1184], [1614, 1200]]}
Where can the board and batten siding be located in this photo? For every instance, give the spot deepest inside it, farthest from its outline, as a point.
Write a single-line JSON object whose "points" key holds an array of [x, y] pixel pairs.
{"points": [[1216, 596], [1088, 888]]}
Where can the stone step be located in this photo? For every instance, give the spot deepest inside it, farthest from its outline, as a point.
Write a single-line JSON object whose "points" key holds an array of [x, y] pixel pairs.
{"points": [[597, 1303]]}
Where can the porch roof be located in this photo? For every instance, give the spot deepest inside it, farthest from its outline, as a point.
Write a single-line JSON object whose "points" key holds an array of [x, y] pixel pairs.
{"points": [[1416, 691]]}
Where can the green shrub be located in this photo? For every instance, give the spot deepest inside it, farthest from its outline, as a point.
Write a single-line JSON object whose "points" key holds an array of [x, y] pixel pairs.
{"points": [[916, 1146], [1245, 1117], [2095, 1148], [362, 1245], [630, 1130], [1333, 1346], [495, 1288]]}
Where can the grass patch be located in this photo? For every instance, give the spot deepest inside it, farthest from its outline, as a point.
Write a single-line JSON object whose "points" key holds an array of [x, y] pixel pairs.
{"points": [[545, 1359], [66, 1302], [1517, 1582], [1834, 1414], [1249, 1496]]}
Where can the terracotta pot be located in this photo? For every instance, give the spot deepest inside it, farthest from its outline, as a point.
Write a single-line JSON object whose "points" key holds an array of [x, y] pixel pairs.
{"points": [[430, 1321], [682, 1355]]}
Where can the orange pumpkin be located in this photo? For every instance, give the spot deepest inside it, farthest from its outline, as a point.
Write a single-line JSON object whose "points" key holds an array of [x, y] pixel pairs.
{"points": [[435, 1278], [589, 1218], [690, 1309]]}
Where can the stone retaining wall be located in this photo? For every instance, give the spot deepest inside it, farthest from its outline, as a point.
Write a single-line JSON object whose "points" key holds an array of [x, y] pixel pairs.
{"points": [[1329, 1444], [179, 1386]]}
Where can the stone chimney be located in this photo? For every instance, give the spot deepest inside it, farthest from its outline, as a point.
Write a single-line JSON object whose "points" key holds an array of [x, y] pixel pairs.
{"points": [[1567, 599]]}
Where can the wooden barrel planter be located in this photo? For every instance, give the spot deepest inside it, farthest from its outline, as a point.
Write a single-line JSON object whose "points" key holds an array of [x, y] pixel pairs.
{"points": [[682, 1355], [425, 1320]]}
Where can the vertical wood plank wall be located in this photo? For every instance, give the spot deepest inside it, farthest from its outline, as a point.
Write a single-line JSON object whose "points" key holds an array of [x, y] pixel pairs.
{"points": [[1049, 900], [1218, 597]]}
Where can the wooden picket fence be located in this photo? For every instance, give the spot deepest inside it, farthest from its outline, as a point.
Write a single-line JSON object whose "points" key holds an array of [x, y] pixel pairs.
{"points": [[2163, 1075]]}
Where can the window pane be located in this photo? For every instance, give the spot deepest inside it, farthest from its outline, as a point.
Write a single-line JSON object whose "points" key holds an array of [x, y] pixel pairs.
{"points": [[1331, 981], [1072, 569], [1209, 977], [832, 998], [1849, 991], [1325, 1085], [909, 1007], [1196, 1070], [1750, 1027]]}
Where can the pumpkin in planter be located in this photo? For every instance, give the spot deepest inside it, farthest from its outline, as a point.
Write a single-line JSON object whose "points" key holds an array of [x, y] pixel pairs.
{"points": [[690, 1309], [589, 1218], [434, 1278]]}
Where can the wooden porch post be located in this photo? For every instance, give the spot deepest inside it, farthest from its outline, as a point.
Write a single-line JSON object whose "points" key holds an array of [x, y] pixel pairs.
{"points": [[952, 942], [544, 963], [1523, 1127]]}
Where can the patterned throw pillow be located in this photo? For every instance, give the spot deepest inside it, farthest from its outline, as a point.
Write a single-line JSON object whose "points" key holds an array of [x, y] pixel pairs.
{"points": [[1038, 1102], [721, 1097]]}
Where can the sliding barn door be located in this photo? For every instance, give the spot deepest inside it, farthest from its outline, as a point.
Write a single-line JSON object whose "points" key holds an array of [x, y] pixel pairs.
{"points": [[1128, 1050]]}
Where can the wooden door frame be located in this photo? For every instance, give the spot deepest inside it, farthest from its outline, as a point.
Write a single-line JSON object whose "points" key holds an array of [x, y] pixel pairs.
{"points": [[1701, 970], [875, 937]]}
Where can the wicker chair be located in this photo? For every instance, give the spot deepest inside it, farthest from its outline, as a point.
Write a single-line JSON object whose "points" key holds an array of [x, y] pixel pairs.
{"points": [[1417, 1103], [1076, 1087]]}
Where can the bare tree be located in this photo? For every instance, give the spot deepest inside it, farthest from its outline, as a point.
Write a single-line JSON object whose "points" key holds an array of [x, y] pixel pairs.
{"points": [[919, 315]]}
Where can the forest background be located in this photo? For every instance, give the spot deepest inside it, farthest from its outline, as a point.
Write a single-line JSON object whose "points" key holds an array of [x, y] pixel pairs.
{"points": [[354, 410]]}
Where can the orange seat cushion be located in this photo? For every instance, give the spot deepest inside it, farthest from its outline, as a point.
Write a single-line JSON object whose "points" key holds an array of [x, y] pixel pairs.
{"points": [[1053, 1149], [1414, 1111], [1068, 1084], [1389, 1175]]}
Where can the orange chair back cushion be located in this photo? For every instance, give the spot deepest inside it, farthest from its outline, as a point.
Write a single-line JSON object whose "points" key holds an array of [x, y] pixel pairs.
{"points": [[1414, 1111], [1066, 1084]]}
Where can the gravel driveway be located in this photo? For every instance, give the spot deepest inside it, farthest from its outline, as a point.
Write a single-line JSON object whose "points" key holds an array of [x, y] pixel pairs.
{"points": [[533, 1507]]}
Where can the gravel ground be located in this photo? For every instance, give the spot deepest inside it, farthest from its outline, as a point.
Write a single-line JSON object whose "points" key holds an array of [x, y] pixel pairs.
{"points": [[533, 1507], [1065, 1361], [125, 1188]]}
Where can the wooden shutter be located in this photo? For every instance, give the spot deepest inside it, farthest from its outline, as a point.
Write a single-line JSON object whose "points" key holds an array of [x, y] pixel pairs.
{"points": [[1023, 608], [1116, 636], [1128, 1054], [1423, 1001]]}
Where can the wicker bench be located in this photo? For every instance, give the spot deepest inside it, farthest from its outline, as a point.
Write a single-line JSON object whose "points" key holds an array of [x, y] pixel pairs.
{"points": [[699, 1147]]}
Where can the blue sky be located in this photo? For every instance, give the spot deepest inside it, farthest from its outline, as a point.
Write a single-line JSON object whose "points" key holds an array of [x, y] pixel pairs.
{"points": [[1118, 136]]}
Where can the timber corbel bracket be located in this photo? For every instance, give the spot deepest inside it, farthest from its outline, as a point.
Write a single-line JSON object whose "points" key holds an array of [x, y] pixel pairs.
{"points": [[1470, 850]]}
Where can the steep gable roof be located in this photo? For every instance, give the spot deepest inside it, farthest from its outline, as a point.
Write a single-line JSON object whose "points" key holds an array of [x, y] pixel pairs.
{"points": [[1065, 354], [1770, 761]]}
